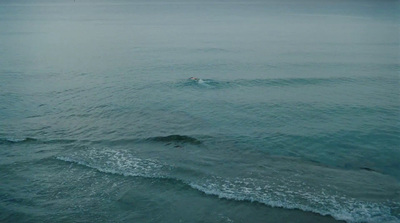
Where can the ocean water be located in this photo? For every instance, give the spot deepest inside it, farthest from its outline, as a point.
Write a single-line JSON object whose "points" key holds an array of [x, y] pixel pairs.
{"points": [[294, 117]]}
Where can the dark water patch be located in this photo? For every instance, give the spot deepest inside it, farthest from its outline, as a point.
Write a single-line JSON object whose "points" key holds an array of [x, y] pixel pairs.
{"points": [[169, 139], [176, 139], [367, 169]]}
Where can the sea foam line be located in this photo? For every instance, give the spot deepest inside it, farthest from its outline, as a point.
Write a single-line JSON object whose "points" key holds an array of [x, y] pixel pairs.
{"points": [[253, 190]]}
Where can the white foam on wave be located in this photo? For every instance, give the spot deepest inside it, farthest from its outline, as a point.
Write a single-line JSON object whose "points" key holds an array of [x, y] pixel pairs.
{"points": [[338, 206], [18, 140], [117, 162], [274, 192]]}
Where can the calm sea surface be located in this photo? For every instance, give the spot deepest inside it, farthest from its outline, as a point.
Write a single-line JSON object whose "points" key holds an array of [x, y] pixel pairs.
{"points": [[294, 117]]}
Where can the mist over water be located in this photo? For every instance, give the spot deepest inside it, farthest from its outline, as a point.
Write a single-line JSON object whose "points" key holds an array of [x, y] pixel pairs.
{"points": [[293, 114]]}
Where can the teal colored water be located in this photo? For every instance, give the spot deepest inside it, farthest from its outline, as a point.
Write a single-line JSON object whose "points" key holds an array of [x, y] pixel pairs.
{"points": [[294, 117]]}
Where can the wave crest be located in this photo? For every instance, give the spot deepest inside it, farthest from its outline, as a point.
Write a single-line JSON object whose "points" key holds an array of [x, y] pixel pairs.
{"points": [[13, 141], [175, 139], [274, 191]]}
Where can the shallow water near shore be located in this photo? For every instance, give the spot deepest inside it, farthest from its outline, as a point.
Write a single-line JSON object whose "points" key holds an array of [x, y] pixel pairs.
{"points": [[293, 115]]}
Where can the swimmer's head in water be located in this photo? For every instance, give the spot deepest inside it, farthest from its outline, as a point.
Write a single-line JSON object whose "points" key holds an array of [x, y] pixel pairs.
{"points": [[194, 78]]}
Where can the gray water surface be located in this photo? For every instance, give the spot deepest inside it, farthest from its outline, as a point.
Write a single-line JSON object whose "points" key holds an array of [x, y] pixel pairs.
{"points": [[294, 116]]}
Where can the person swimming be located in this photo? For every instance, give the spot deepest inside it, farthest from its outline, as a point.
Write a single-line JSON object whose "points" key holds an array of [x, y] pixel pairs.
{"points": [[198, 80]]}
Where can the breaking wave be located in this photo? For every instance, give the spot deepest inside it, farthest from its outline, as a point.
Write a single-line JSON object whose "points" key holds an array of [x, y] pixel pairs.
{"points": [[13, 141], [336, 205], [29, 140], [175, 138], [274, 192]]}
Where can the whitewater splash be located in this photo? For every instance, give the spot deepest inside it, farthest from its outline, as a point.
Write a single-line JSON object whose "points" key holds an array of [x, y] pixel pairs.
{"points": [[317, 201], [200, 81], [117, 162], [284, 192]]}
